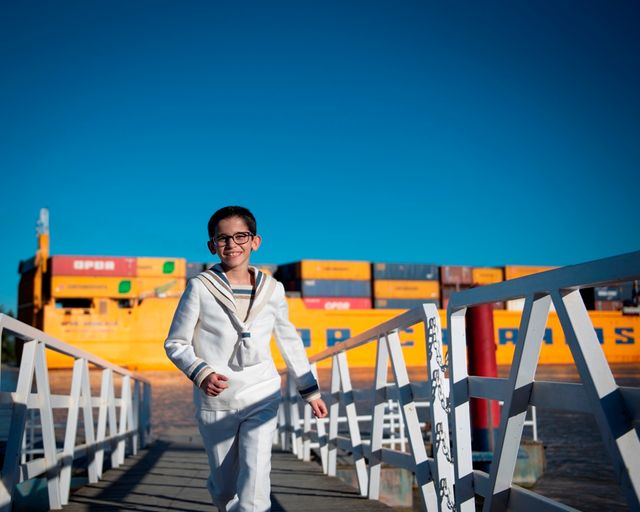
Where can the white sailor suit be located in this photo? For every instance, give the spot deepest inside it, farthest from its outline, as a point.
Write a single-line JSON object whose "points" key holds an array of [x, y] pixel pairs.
{"points": [[237, 426]]}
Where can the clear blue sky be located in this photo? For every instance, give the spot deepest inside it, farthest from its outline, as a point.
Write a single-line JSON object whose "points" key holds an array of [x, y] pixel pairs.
{"points": [[479, 133]]}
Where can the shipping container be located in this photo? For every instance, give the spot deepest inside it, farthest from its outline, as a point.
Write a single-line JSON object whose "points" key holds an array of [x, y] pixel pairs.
{"points": [[403, 303], [608, 305], [325, 269], [87, 286], [388, 289], [157, 267], [92, 266], [419, 271], [456, 275], [516, 271], [486, 275], [333, 288], [337, 303]]}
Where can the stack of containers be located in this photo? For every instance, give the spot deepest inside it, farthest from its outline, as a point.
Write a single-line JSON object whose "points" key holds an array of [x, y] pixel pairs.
{"points": [[404, 286], [328, 284], [488, 275], [160, 277], [454, 278], [88, 277], [516, 271]]}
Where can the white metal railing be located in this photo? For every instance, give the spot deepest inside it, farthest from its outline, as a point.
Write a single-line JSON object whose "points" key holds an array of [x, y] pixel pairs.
{"points": [[434, 475], [127, 416], [614, 408]]}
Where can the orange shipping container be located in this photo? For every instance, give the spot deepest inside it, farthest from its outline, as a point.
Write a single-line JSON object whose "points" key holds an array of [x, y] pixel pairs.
{"points": [[486, 275], [331, 269], [515, 271], [406, 289], [70, 287], [157, 267]]}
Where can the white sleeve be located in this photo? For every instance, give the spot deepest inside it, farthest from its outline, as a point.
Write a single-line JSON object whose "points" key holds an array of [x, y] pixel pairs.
{"points": [[179, 343], [292, 349]]}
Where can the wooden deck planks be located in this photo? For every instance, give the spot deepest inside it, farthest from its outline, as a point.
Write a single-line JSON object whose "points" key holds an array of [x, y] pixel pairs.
{"points": [[172, 476]]}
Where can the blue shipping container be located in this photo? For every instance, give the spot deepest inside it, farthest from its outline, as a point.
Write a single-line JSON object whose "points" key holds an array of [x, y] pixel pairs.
{"points": [[403, 303], [335, 288], [395, 271]]}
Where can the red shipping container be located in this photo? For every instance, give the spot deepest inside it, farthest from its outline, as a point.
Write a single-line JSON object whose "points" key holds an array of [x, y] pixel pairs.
{"points": [[337, 303], [93, 266], [456, 275]]}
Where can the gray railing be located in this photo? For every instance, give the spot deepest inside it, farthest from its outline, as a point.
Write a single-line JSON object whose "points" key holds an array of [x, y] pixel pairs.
{"points": [[614, 408], [127, 417]]}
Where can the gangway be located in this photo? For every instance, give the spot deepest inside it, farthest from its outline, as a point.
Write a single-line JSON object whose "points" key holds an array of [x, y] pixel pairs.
{"points": [[615, 408]]}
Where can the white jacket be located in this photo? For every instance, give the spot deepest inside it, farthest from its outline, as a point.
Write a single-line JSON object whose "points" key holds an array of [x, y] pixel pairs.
{"points": [[205, 337]]}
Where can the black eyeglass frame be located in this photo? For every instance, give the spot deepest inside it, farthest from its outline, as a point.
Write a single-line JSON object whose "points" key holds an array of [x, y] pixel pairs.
{"points": [[225, 238]]}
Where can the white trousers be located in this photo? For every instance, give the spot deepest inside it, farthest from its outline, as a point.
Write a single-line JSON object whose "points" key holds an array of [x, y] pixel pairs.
{"points": [[238, 444]]}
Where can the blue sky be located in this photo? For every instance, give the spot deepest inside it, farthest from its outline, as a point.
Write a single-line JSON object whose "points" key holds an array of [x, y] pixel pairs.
{"points": [[479, 133]]}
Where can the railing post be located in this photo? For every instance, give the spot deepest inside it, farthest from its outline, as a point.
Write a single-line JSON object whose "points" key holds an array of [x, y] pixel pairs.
{"points": [[322, 434], [48, 433], [424, 478], [71, 430], [16, 429], [460, 416], [514, 411], [377, 423], [439, 408], [125, 408], [609, 409], [334, 412]]}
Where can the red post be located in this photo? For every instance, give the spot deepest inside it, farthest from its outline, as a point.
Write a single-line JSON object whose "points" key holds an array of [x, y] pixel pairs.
{"points": [[481, 349]]}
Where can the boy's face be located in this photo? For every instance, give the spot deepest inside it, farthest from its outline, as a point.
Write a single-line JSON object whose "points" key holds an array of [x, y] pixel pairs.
{"points": [[233, 255]]}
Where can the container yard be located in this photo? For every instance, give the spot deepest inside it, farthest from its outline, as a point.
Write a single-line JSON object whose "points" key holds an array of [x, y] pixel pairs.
{"points": [[118, 306]]}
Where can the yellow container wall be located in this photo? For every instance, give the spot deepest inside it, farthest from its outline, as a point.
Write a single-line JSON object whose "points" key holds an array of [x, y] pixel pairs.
{"points": [[160, 267], [89, 287], [105, 331], [515, 271], [134, 337], [335, 269], [486, 275], [388, 289]]}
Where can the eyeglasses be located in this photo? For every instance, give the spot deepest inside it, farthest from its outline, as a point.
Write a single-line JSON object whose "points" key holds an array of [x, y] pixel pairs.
{"points": [[240, 238]]}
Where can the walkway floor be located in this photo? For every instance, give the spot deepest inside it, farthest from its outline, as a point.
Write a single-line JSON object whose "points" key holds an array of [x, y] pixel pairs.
{"points": [[171, 475]]}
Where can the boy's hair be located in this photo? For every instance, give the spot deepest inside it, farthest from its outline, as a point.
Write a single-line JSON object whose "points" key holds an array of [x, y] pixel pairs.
{"points": [[232, 211]]}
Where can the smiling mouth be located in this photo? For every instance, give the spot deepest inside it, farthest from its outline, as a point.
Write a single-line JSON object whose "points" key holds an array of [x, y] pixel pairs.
{"points": [[232, 254]]}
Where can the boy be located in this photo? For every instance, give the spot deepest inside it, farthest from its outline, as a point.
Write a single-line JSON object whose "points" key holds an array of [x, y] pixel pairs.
{"points": [[220, 338]]}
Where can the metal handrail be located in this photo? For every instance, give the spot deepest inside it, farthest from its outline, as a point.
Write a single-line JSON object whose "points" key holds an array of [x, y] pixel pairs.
{"points": [[614, 408], [127, 417], [434, 475]]}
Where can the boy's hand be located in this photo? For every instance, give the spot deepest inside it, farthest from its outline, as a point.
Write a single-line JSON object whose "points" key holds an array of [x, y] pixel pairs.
{"points": [[214, 384], [319, 408]]}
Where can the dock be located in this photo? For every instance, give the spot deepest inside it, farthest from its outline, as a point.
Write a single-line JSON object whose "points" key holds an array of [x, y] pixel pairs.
{"points": [[171, 475]]}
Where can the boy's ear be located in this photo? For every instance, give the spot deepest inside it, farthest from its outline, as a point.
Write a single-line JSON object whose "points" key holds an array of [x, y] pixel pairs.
{"points": [[212, 248], [255, 243]]}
